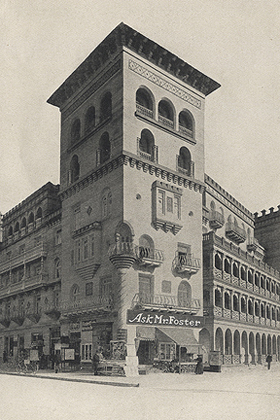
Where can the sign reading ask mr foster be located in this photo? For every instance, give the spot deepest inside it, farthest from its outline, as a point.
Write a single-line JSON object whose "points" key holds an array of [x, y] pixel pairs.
{"points": [[153, 318]]}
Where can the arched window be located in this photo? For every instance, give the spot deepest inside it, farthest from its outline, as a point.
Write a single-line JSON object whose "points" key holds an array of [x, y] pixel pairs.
{"points": [[106, 107], [74, 169], [144, 102], [262, 282], [235, 270], [227, 301], [10, 231], [184, 294], [243, 274], [23, 223], [75, 131], [165, 113], [74, 293], [262, 311], [218, 262], [16, 227], [186, 123], [146, 247], [185, 161], [90, 119], [227, 267], [39, 213], [218, 298], [268, 312], [257, 309], [250, 307], [104, 148], [243, 305], [31, 218], [146, 142], [235, 303], [257, 279]]}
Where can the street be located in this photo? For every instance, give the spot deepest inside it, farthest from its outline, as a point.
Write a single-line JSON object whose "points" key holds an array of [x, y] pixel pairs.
{"points": [[236, 393]]}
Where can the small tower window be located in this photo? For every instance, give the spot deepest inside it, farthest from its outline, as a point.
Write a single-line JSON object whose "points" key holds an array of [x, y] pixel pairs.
{"points": [[106, 107], [74, 169], [75, 131], [90, 119]]}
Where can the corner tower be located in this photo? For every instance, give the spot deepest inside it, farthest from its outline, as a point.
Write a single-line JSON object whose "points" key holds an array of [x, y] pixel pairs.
{"points": [[132, 177]]}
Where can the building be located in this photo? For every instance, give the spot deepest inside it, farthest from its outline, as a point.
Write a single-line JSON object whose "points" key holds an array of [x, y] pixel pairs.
{"points": [[123, 232]]}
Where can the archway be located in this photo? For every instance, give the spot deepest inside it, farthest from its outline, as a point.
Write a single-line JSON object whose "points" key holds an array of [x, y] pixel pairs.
{"points": [[219, 341], [244, 348], [252, 358], [236, 347]]}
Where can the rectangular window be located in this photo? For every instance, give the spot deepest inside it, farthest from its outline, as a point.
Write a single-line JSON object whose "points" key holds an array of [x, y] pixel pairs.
{"points": [[77, 217], [89, 289], [161, 204], [169, 204], [78, 251], [146, 288], [167, 351], [105, 287], [86, 352], [177, 207], [58, 237]]}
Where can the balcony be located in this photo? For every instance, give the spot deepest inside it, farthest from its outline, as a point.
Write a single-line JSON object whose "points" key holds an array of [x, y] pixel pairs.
{"points": [[18, 316], [152, 156], [96, 305], [185, 171], [33, 313], [185, 131], [28, 255], [53, 310], [166, 121], [122, 254], [165, 302], [186, 264], [144, 111], [216, 220], [235, 233], [148, 257]]}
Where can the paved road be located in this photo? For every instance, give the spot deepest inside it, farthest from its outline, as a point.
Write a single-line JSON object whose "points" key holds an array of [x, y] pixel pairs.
{"points": [[232, 395]]}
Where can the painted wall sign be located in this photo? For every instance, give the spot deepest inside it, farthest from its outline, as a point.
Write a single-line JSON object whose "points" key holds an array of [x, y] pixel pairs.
{"points": [[153, 318]]}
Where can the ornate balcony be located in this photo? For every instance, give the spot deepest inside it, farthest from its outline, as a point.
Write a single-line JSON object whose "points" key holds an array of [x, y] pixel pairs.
{"points": [[165, 302], [122, 254], [235, 233], [152, 156], [148, 257], [216, 220], [53, 310], [186, 264], [96, 305], [33, 313], [5, 319], [18, 316], [144, 111]]}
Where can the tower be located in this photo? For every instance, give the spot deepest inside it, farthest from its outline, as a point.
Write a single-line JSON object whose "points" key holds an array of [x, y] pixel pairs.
{"points": [[132, 178]]}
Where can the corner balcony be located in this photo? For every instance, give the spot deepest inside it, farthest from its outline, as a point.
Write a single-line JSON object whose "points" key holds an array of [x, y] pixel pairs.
{"points": [[216, 220], [235, 233], [148, 257], [165, 303], [96, 305], [122, 254], [186, 264]]}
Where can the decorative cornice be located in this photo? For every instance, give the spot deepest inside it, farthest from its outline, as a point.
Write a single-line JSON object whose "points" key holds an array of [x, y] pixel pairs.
{"points": [[124, 36], [133, 162], [159, 81]]}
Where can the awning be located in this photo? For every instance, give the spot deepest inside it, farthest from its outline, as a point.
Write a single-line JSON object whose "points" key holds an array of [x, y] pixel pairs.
{"points": [[145, 333], [182, 337]]}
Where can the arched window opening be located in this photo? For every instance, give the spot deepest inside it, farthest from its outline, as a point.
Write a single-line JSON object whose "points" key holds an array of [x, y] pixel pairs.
{"points": [[184, 294], [123, 239], [104, 148], [23, 223], [185, 123], [76, 131], [268, 312], [185, 161], [165, 114], [235, 270], [243, 305], [74, 169], [272, 287], [146, 247], [144, 102], [257, 309], [262, 282], [257, 279], [263, 344], [10, 231], [228, 342], [243, 274], [262, 311], [236, 342], [31, 218], [250, 308], [278, 315], [16, 227], [39, 213], [227, 267], [227, 301], [90, 119], [106, 107], [74, 294], [106, 203], [219, 340], [218, 298], [273, 316], [235, 303], [218, 262], [268, 285], [146, 143]]}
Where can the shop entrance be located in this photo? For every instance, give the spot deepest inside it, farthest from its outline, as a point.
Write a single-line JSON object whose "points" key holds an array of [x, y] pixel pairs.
{"points": [[145, 352]]}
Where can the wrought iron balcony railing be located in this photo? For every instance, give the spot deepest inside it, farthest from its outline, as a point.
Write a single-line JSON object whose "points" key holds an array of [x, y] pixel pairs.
{"points": [[145, 300], [99, 303], [235, 233], [148, 256], [186, 264]]}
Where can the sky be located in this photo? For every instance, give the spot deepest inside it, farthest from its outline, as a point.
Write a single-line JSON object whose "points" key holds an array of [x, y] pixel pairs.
{"points": [[235, 42]]}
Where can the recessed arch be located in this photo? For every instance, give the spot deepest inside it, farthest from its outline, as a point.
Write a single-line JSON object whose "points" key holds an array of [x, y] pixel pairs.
{"points": [[104, 147], [105, 107], [166, 112], [146, 142], [184, 294], [74, 169], [219, 340], [145, 99], [90, 118], [75, 130], [186, 122]]}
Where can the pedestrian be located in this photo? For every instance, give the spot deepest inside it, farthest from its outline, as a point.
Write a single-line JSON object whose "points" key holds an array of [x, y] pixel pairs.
{"points": [[97, 358], [199, 366], [268, 360]]}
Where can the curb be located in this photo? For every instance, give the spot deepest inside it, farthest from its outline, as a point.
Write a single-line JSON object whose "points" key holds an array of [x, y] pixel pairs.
{"points": [[85, 381]]}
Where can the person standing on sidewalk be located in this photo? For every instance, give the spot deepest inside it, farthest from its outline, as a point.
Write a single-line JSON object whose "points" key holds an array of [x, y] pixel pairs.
{"points": [[269, 360]]}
